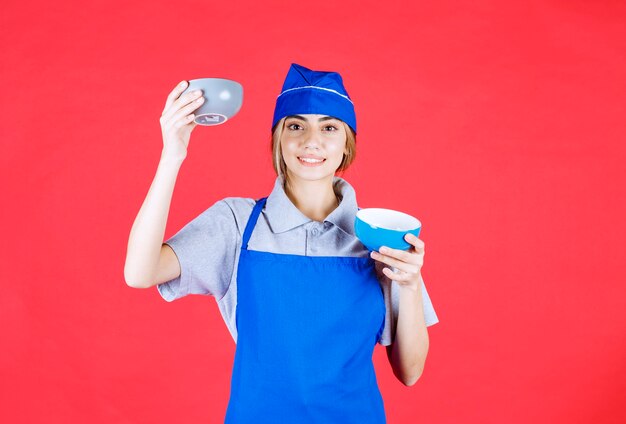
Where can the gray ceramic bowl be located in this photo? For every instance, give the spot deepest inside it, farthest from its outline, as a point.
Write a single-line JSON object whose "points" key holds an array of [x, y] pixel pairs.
{"points": [[222, 100]]}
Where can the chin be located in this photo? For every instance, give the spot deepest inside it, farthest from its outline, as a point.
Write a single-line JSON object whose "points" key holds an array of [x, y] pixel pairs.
{"points": [[310, 175]]}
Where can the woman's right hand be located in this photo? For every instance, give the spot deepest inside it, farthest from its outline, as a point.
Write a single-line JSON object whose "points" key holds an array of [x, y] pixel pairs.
{"points": [[177, 121]]}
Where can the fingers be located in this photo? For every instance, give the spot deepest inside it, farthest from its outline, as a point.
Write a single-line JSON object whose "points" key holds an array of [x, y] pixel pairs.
{"points": [[412, 265], [185, 114], [178, 116], [178, 105], [402, 255], [416, 242], [409, 261], [399, 276], [174, 95], [180, 122]]}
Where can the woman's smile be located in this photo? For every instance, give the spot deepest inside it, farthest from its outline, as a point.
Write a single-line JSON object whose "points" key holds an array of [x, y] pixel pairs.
{"points": [[311, 160]]}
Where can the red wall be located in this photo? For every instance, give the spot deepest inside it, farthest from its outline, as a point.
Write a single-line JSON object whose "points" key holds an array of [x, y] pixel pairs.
{"points": [[500, 126]]}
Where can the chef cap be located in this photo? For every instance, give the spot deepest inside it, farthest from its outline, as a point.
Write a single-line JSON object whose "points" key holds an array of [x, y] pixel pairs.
{"points": [[317, 92]]}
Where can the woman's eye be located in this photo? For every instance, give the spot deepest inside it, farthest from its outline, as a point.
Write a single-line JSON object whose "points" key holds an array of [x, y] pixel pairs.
{"points": [[295, 127]]}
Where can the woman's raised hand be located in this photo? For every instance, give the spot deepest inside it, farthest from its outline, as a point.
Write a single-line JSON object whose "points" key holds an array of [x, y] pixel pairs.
{"points": [[177, 121]]}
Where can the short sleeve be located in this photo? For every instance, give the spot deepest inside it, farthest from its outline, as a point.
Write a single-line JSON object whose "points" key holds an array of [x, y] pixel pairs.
{"points": [[206, 250], [392, 302]]}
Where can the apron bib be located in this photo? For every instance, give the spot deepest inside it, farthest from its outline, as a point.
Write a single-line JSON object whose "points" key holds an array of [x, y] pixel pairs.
{"points": [[307, 327]]}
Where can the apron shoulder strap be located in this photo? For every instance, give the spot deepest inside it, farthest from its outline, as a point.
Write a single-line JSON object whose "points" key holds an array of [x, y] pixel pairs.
{"points": [[254, 216]]}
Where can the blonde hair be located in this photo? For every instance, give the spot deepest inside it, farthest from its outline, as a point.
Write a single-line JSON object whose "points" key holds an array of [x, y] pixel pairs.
{"points": [[277, 157]]}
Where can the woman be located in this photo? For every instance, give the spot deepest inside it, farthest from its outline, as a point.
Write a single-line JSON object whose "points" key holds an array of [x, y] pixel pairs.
{"points": [[301, 296]]}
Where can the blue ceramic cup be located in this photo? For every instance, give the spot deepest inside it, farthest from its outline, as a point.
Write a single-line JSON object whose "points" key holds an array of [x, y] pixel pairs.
{"points": [[376, 227]]}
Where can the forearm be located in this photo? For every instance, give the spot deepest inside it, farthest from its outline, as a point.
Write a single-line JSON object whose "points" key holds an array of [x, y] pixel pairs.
{"points": [[410, 346], [148, 230]]}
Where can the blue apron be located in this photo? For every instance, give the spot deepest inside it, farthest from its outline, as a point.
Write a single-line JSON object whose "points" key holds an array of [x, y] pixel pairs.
{"points": [[307, 327]]}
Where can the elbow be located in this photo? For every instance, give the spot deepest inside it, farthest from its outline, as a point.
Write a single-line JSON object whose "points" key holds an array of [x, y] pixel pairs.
{"points": [[133, 282], [410, 380], [407, 374]]}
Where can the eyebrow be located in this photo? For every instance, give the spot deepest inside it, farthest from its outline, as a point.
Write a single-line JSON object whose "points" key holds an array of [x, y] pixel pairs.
{"points": [[323, 118]]}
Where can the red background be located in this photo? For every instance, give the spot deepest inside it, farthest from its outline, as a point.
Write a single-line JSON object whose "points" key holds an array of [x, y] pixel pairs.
{"points": [[500, 125]]}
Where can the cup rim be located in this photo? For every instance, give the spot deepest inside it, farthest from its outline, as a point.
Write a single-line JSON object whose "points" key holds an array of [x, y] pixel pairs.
{"points": [[215, 79], [365, 211]]}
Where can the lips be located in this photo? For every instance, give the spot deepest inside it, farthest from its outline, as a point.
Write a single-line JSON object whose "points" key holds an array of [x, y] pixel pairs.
{"points": [[310, 160]]}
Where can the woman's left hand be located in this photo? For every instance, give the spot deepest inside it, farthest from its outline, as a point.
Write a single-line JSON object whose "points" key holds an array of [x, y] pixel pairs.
{"points": [[408, 263]]}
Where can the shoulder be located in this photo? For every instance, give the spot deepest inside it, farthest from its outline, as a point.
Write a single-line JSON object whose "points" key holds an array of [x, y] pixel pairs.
{"points": [[238, 204], [229, 210], [240, 209]]}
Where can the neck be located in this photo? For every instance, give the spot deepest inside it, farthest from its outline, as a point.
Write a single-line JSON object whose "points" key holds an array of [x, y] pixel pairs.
{"points": [[315, 199]]}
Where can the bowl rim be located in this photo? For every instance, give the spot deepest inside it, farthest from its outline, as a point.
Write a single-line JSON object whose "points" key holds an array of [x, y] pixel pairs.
{"points": [[362, 211], [217, 79]]}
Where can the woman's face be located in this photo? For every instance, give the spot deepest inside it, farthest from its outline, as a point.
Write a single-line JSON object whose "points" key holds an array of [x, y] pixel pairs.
{"points": [[312, 145]]}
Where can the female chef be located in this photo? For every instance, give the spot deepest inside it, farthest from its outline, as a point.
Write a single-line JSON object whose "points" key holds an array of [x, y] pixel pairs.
{"points": [[304, 300]]}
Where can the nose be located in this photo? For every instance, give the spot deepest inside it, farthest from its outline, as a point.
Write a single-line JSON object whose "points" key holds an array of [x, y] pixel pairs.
{"points": [[312, 140]]}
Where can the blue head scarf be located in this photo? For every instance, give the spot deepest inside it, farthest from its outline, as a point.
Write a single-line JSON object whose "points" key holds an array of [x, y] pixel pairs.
{"points": [[317, 92]]}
